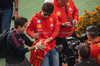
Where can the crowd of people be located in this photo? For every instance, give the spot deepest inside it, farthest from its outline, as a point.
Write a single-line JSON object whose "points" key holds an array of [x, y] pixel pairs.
{"points": [[56, 21]]}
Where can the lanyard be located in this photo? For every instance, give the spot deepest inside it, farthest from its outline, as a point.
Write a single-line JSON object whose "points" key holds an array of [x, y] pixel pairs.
{"points": [[23, 41], [96, 42], [68, 19]]}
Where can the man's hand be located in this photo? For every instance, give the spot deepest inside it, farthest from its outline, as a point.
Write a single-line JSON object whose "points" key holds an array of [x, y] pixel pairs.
{"points": [[64, 64], [15, 14], [75, 22], [87, 42], [36, 35], [49, 39], [67, 24], [40, 46], [77, 60]]}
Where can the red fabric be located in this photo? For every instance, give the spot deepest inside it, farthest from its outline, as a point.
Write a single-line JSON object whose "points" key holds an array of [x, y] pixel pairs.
{"points": [[45, 27], [62, 17], [36, 57], [95, 50]]}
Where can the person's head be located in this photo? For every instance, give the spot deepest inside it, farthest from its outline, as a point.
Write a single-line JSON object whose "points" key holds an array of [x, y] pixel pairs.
{"points": [[20, 24], [84, 50], [62, 3], [47, 9], [92, 32]]}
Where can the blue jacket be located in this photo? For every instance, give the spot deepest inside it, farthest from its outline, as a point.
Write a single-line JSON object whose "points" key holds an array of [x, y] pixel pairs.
{"points": [[15, 48]]}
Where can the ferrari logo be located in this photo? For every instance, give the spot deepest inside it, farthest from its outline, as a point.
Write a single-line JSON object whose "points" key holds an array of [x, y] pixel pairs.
{"points": [[68, 4], [51, 19]]}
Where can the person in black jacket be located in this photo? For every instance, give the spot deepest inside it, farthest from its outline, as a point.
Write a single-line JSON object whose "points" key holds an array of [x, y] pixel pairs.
{"points": [[16, 41], [84, 52]]}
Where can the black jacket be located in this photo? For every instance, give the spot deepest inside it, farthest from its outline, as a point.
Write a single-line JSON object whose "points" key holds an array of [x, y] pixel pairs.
{"points": [[15, 48], [88, 62]]}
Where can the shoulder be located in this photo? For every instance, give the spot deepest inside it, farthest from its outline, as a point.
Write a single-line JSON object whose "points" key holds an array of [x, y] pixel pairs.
{"points": [[54, 15], [92, 46], [11, 34], [70, 0], [93, 59], [33, 17], [78, 64]]}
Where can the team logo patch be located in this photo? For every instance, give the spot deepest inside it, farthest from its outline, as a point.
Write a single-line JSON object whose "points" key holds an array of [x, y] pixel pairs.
{"points": [[38, 21], [68, 4], [58, 13], [39, 26], [51, 19], [98, 44]]}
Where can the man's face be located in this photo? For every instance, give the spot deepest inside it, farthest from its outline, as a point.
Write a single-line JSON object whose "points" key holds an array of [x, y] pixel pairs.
{"points": [[22, 29], [62, 3], [45, 15], [88, 36]]}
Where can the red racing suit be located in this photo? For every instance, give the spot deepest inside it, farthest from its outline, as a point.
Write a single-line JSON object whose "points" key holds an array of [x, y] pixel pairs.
{"points": [[62, 17], [95, 50], [46, 28]]}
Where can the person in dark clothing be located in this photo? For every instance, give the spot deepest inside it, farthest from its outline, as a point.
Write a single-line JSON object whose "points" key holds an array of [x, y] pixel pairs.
{"points": [[84, 52], [6, 11], [16, 41]]}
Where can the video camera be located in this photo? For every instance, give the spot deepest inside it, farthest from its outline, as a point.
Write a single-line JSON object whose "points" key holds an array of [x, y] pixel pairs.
{"points": [[73, 45], [74, 42]]}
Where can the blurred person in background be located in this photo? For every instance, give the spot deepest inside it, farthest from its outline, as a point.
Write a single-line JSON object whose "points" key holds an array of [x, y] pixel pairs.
{"points": [[6, 11]]}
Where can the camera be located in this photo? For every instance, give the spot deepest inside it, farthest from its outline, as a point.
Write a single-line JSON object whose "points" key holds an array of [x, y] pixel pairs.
{"points": [[74, 42], [73, 45], [62, 56]]}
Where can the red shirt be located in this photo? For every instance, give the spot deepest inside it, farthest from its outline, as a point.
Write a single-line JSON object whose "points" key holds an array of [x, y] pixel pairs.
{"points": [[95, 50], [62, 17], [46, 28]]}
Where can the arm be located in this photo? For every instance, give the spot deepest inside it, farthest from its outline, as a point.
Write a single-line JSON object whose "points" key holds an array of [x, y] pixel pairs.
{"points": [[55, 32], [60, 24], [30, 28], [16, 9], [56, 28], [75, 15], [64, 64], [27, 41], [13, 42]]}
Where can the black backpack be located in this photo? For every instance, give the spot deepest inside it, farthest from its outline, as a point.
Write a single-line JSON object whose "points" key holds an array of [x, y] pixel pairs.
{"points": [[3, 41]]}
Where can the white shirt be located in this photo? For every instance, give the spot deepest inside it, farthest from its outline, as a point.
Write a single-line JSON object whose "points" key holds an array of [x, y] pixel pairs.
{"points": [[50, 1]]}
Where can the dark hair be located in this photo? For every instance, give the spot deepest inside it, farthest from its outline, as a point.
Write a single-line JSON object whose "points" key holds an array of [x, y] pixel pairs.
{"points": [[47, 7], [92, 31], [84, 50], [20, 21]]}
